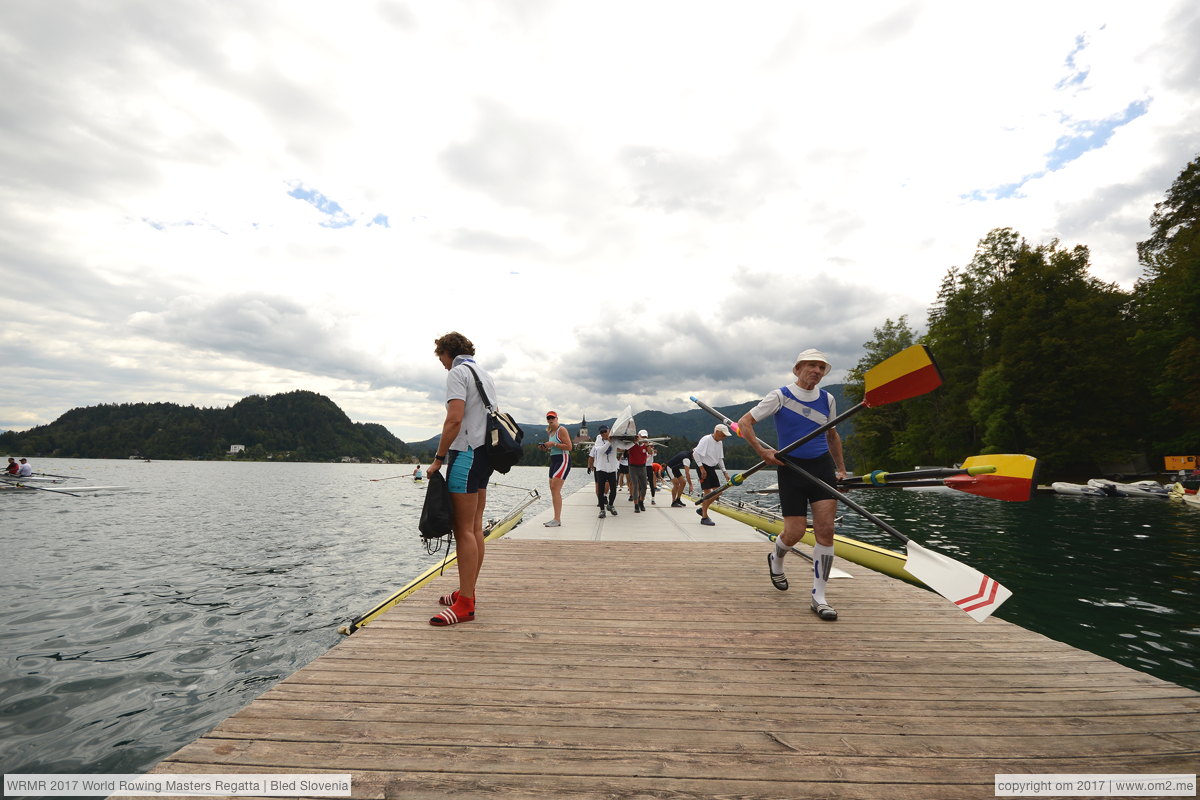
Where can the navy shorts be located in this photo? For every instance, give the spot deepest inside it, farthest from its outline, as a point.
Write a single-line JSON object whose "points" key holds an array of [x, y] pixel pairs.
{"points": [[468, 471], [560, 466], [796, 494], [710, 480]]}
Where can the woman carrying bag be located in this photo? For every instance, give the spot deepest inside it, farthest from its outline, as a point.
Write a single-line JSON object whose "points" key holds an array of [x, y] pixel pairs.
{"points": [[461, 450]]}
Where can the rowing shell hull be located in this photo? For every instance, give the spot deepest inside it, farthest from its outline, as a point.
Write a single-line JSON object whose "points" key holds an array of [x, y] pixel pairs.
{"points": [[491, 534], [880, 559], [18, 488]]}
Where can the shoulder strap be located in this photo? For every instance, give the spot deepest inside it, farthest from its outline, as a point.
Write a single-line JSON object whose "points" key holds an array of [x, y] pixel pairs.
{"points": [[479, 384]]}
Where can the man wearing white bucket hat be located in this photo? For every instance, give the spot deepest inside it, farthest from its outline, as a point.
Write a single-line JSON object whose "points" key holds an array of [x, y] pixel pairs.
{"points": [[798, 409], [709, 454]]}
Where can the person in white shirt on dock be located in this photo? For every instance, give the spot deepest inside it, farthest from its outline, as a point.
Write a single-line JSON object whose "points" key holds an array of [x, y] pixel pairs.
{"points": [[602, 459], [708, 455], [798, 409], [468, 470]]}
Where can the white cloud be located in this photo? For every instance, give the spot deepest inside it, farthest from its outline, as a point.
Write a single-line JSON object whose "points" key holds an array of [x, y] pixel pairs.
{"points": [[625, 203]]}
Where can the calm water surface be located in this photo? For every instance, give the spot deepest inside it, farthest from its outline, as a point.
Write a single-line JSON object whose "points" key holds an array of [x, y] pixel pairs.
{"points": [[136, 621]]}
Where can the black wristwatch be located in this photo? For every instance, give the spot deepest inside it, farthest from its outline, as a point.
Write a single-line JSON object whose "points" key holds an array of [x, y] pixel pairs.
{"points": [[439, 458]]}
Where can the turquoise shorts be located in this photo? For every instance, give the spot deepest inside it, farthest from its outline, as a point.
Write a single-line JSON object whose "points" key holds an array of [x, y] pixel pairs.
{"points": [[467, 471]]}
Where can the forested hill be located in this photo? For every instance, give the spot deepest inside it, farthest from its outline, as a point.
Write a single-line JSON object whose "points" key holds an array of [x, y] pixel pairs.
{"points": [[295, 426]]}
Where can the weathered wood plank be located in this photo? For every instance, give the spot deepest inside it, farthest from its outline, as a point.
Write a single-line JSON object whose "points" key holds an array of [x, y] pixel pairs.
{"points": [[576, 681], [270, 709]]}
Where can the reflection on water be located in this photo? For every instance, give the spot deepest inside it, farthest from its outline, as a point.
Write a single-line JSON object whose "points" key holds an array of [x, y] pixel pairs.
{"points": [[134, 622], [1117, 577]]}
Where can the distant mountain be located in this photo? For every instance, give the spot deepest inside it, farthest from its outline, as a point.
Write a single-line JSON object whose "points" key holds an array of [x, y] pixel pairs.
{"points": [[294, 426], [684, 427]]}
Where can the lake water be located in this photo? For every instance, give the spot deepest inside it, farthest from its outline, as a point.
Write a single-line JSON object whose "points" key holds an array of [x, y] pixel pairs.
{"points": [[136, 621]]}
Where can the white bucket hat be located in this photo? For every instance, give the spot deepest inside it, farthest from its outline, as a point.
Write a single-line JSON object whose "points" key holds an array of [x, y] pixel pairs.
{"points": [[814, 355]]}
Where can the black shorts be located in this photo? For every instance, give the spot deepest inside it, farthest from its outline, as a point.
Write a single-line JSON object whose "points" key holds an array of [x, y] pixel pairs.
{"points": [[796, 494], [710, 480]]}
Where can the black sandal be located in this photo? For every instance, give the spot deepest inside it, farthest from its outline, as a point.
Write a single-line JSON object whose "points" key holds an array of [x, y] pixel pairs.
{"points": [[778, 579]]}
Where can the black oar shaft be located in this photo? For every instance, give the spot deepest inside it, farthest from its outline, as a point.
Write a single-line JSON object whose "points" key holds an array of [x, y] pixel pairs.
{"points": [[44, 489], [888, 477], [850, 484]]}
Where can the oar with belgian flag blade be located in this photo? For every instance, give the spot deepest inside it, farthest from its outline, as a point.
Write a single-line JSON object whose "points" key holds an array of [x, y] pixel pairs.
{"points": [[910, 373], [1000, 477], [966, 587]]}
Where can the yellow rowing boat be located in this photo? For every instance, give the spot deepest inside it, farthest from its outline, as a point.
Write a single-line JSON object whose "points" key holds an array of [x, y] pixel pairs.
{"points": [[880, 559], [494, 531]]}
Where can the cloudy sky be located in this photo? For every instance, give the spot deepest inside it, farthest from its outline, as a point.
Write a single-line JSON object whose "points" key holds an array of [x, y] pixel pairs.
{"points": [[619, 202]]}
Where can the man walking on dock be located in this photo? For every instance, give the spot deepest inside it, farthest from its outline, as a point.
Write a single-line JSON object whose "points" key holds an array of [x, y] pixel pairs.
{"points": [[800, 408], [603, 459], [709, 454]]}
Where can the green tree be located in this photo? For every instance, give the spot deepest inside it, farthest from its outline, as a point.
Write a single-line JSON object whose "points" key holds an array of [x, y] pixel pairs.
{"points": [[1166, 310], [1030, 348], [880, 438]]}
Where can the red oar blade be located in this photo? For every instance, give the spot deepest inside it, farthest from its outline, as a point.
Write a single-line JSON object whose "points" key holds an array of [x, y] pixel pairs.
{"points": [[909, 373], [1015, 478], [966, 587]]}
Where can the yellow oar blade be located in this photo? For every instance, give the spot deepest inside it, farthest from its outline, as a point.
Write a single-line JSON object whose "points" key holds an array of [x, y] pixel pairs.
{"points": [[1014, 478], [909, 373]]}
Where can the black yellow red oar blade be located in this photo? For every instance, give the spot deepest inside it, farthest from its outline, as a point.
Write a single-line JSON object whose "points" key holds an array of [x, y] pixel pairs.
{"points": [[999, 477], [1014, 479], [909, 373]]}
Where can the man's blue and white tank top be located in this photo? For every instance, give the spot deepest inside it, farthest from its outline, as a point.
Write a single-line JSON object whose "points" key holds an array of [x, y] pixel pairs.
{"points": [[797, 418]]}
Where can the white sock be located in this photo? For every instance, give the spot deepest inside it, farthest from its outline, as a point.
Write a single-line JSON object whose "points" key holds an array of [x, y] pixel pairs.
{"points": [[781, 550], [822, 565]]}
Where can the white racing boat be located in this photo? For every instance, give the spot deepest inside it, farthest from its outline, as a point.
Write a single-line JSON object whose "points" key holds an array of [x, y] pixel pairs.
{"points": [[624, 431], [1138, 489], [1077, 489], [32, 479], [36, 484]]}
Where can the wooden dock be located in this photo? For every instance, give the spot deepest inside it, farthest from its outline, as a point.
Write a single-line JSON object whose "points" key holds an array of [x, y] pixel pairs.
{"points": [[672, 669]]}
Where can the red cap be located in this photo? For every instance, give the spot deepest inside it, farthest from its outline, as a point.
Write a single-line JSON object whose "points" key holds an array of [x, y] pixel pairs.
{"points": [[552, 414]]}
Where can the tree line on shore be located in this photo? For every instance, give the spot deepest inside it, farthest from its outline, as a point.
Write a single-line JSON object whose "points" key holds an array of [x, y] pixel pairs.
{"points": [[292, 426], [1039, 357]]}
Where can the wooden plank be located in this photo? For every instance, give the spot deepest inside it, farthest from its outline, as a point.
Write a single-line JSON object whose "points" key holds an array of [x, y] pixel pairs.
{"points": [[645, 670], [419, 714]]}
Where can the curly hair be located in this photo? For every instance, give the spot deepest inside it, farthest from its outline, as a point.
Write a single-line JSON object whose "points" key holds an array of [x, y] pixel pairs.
{"points": [[453, 344]]}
